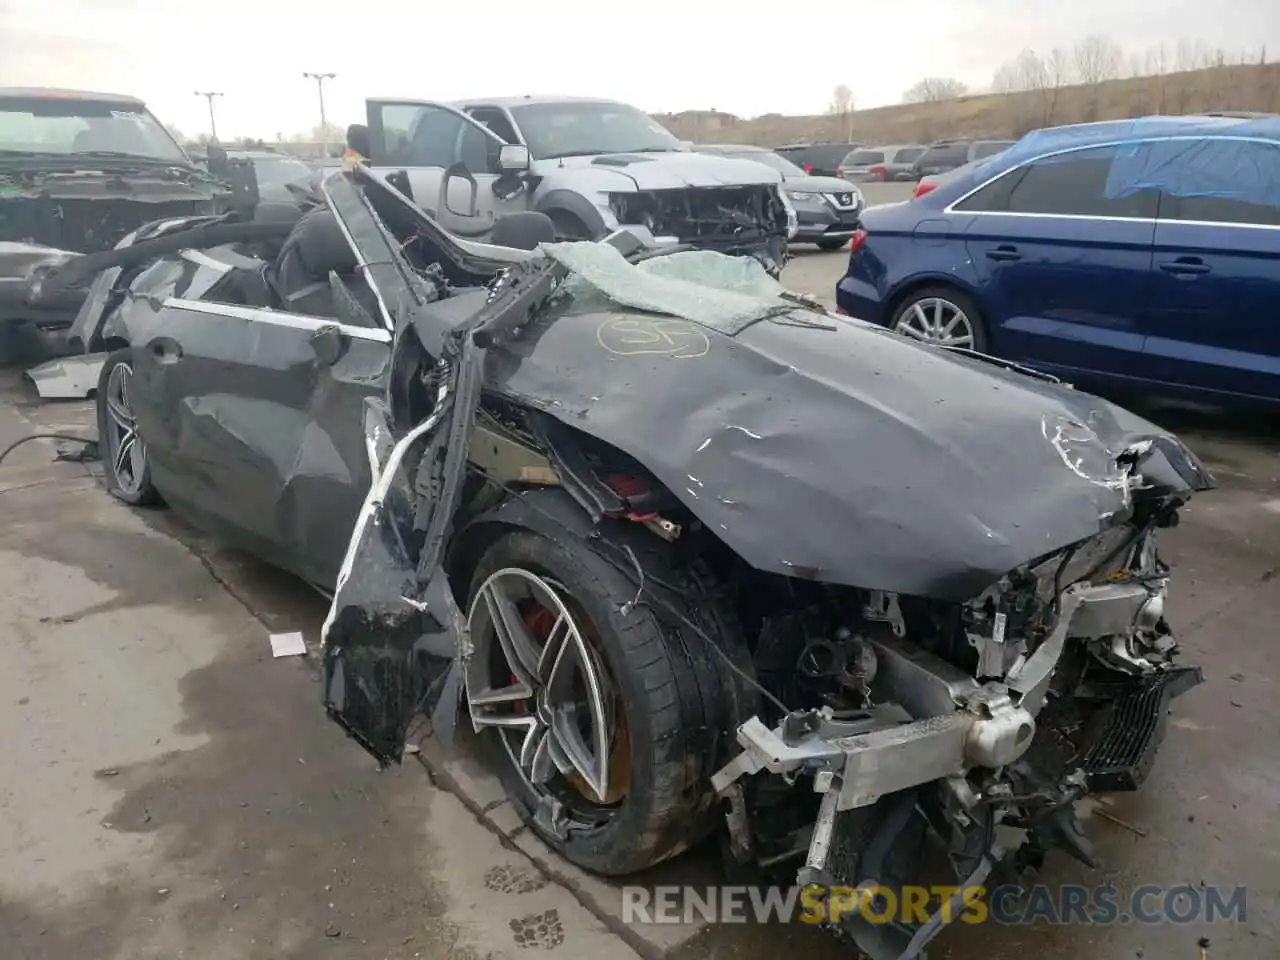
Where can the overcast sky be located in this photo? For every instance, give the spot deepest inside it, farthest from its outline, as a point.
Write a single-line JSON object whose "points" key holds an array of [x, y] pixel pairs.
{"points": [[661, 55]]}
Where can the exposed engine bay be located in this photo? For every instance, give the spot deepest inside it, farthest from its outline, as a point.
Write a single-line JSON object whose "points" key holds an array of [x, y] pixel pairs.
{"points": [[956, 718], [731, 219]]}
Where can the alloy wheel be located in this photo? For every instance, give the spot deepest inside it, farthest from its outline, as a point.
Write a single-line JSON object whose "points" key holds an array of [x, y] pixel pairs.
{"points": [[537, 677], [937, 320], [125, 449]]}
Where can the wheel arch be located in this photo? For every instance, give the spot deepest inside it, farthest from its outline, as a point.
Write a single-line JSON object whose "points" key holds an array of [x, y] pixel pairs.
{"points": [[565, 201], [918, 282], [647, 561]]}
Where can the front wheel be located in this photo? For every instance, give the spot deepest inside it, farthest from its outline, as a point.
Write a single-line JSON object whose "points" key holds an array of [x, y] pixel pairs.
{"points": [[941, 315], [569, 227], [595, 719], [125, 465]]}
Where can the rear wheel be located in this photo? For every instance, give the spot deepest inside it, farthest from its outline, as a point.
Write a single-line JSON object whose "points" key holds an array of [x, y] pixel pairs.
{"points": [[596, 720], [941, 315], [125, 466]]}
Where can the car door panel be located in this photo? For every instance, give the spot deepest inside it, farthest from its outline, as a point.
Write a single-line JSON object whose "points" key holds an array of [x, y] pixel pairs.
{"points": [[425, 138], [1065, 292], [1064, 258], [257, 425], [1217, 328], [1216, 288]]}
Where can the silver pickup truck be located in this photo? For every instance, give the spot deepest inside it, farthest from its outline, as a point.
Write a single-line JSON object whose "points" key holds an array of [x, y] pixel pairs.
{"points": [[591, 165]]}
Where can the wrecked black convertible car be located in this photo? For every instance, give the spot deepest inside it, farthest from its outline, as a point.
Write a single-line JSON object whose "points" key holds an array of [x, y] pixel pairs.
{"points": [[691, 554]]}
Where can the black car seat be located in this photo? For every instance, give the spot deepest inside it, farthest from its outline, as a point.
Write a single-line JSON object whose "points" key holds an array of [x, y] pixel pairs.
{"points": [[523, 230], [300, 274]]}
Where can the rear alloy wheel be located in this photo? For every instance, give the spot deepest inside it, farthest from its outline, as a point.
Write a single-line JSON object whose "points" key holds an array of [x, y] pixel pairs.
{"points": [[123, 451], [593, 719], [941, 316]]}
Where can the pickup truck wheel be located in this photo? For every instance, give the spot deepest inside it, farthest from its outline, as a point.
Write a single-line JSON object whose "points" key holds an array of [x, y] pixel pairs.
{"points": [[125, 465], [595, 720], [569, 227]]}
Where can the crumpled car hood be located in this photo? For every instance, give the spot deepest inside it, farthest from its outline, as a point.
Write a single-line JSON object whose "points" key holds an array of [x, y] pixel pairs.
{"points": [[665, 171], [842, 453]]}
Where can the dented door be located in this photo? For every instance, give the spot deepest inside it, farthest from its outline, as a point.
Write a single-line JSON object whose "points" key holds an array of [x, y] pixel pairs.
{"points": [[256, 425]]}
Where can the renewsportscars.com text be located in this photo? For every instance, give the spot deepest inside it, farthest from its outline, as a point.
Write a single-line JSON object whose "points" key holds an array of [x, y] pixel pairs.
{"points": [[1007, 905]]}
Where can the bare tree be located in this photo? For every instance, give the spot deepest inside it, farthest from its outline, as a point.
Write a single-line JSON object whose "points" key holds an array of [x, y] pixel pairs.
{"points": [[1157, 60], [1043, 77], [841, 101], [1190, 55], [842, 107], [1097, 59], [935, 89]]}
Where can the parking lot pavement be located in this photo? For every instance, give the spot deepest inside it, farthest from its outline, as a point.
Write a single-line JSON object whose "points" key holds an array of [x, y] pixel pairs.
{"points": [[814, 271], [169, 787], [169, 790]]}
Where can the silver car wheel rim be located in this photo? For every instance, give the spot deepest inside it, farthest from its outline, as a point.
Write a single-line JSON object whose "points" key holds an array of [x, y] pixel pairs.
{"points": [[549, 698], [935, 320], [127, 452]]}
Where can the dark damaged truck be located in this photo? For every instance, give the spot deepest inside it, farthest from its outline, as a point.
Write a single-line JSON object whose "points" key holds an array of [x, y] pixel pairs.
{"points": [[692, 555], [78, 172]]}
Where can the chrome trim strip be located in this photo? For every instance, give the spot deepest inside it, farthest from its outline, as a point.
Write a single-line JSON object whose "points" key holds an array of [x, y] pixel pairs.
{"points": [[277, 317], [1102, 219]]}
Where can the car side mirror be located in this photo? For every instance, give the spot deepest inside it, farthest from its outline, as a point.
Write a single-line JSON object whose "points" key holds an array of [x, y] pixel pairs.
{"points": [[454, 175], [513, 158]]}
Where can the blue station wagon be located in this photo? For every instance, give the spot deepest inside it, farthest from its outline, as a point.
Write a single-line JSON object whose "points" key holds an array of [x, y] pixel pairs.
{"points": [[1144, 253]]}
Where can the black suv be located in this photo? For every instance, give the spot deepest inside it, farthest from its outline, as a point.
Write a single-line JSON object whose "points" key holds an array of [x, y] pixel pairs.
{"points": [[945, 155], [817, 159]]}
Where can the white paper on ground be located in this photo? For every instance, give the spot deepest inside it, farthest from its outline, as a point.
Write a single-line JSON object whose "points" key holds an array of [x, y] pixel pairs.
{"points": [[288, 645]]}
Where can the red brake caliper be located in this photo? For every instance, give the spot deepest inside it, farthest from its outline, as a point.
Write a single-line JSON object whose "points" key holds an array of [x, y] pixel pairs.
{"points": [[539, 621]]}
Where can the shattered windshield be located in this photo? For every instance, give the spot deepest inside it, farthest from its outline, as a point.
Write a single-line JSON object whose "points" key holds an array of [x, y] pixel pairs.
{"points": [[39, 125], [583, 129], [725, 293]]}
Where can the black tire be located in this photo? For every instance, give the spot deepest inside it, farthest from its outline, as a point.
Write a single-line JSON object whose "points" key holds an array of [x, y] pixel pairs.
{"points": [[954, 295], [569, 226], [831, 244], [138, 494], [673, 714]]}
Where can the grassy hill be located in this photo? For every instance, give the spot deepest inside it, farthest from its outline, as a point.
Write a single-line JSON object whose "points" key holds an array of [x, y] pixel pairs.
{"points": [[1240, 87]]}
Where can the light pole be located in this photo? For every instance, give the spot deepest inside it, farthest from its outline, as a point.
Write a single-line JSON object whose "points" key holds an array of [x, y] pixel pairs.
{"points": [[320, 78], [213, 124]]}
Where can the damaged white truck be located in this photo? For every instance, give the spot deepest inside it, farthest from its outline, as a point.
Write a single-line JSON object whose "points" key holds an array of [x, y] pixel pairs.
{"points": [[692, 555]]}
